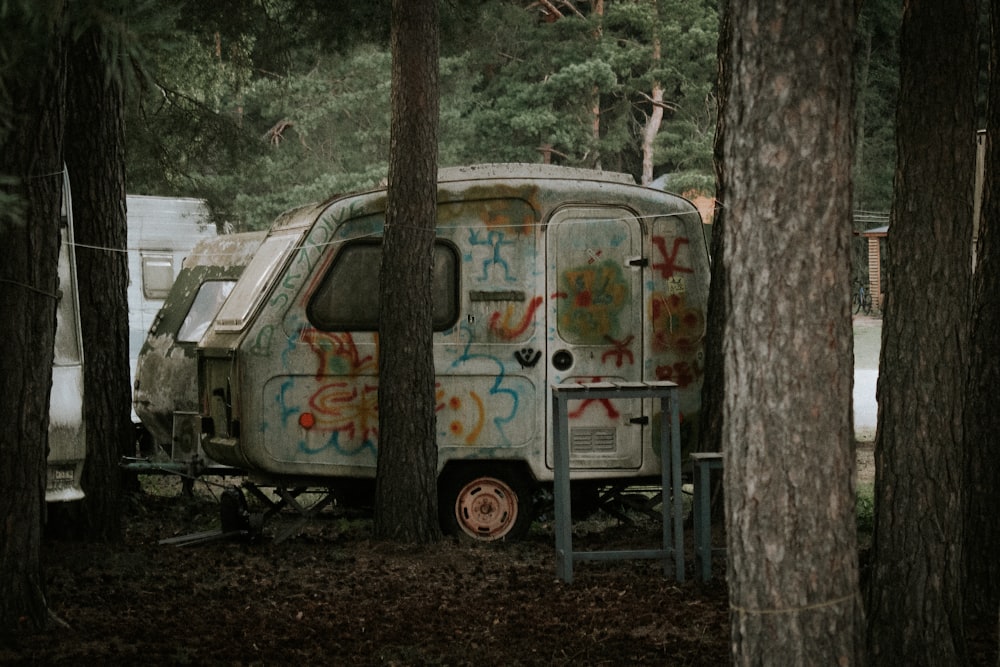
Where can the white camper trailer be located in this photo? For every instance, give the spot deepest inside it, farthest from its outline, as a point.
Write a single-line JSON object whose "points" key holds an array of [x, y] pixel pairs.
{"points": [[161, 233]]}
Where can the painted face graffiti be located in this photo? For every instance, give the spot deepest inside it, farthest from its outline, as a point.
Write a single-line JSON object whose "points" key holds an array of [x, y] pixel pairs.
{"points": [[463, 418]]}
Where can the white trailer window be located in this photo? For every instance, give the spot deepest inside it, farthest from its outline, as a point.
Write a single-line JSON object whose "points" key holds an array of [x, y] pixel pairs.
{"points": [[157, 275]]}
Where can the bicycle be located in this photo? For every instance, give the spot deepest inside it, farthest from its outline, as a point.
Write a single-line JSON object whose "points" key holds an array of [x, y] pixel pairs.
{"points": [[861, 299]]}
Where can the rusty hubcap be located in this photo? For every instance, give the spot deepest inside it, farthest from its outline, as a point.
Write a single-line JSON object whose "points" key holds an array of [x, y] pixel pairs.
{"points": [[486, 509]]}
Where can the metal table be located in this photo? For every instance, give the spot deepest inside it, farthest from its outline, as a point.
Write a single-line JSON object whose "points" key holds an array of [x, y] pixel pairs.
{"points": [[670, 458], [704, 464]]}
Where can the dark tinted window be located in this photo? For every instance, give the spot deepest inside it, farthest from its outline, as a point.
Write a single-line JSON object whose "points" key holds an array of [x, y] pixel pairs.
{"points": [[348, 300]]}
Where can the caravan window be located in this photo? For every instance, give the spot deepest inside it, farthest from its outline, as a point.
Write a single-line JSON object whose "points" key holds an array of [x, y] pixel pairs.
{"points": [[211, 295], [157, 275], [255, 282], [347, 299]]}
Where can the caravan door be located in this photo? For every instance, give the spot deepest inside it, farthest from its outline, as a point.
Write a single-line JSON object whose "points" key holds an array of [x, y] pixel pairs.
{"points": [[594, 276]]}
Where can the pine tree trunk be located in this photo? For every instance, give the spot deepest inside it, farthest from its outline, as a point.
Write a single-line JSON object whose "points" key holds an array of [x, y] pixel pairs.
{"points": [[406, 475], [787, 427], [95, 156], [31, 153], [713, 386], [915, 595], [982, 419]]}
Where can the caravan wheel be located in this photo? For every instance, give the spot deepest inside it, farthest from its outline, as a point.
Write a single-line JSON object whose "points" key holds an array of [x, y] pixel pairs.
{"points": [[486, 506]]}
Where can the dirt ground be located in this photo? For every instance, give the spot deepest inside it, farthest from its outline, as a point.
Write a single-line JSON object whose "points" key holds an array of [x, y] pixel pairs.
{"points": [[334, 596], [866, 462]]}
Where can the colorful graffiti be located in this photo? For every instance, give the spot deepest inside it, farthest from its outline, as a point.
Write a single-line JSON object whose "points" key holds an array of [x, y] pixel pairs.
{"points": [[346, 409], [495, 241], [350, 411], [261, 345], [339, 412], [619, 351], [609, 407], [499, 391], [677, 330], [504, 328], [465, 419], [591, 300], [496, 208], [683, 373], [669, 266], [675, 325], [338, 354]]}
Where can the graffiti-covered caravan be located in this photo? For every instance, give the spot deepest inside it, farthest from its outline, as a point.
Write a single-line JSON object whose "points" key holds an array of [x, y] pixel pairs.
{"points": [[542, 275]]}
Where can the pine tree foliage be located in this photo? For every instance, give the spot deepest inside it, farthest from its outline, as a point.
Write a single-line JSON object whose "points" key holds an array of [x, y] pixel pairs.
{"points": [[262, 106], [876, 58], [262, 110]]}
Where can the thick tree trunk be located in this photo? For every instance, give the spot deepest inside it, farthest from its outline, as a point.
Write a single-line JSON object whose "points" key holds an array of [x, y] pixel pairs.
{"points": [[982, 419], [713, 386], [406, 475], [31, 153], [915, 595], [95, 156], [787, 427]]}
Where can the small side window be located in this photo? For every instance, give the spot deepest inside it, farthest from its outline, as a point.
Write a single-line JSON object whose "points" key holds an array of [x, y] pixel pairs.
{"points": [[211, 295], [157, 275], [255, 282], [348, 300]]}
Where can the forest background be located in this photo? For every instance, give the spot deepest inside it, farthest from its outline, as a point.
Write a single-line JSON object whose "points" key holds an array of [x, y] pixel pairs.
{"points": [[289, 101], [260, 107]]}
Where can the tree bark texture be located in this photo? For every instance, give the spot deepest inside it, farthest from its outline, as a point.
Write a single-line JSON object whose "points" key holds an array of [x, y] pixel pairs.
{"points": [[787, 425], [95, 156], [915, 594], [30, 153], [713, 386], [406, 474], [982, 419]]}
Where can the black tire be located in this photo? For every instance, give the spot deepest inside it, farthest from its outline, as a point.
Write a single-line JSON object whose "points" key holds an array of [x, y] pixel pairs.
{"points": [[144, 445], [485, 503], [585, 500]]}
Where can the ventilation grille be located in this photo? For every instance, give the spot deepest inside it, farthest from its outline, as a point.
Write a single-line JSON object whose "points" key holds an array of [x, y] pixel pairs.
{"points": [[592, 441]]}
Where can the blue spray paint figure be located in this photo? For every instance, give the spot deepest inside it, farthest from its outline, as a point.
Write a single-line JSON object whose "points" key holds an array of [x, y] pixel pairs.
{"points": [[495, 240]]}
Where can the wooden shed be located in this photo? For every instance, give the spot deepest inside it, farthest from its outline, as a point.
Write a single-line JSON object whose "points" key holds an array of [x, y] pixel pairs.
{"points": [[875, 236]]}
